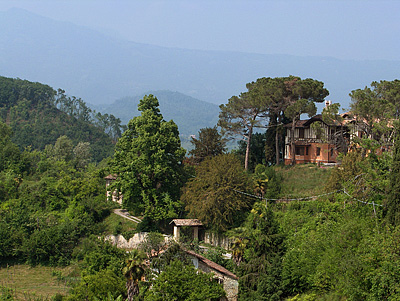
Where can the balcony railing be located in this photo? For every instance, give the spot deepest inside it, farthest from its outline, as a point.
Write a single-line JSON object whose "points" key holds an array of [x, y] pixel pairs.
{"points": [[309, 140]]}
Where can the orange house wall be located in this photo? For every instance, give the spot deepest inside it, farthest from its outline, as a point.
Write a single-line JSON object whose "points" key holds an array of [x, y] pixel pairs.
{"points": [[324, 157]]}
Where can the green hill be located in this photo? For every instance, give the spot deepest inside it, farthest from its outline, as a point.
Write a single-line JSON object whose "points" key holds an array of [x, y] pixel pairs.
{"points": [[30, 109]]}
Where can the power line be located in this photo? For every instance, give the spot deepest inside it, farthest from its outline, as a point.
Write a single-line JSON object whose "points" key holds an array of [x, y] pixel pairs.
{"points": [[373, 203], [306, 198]]}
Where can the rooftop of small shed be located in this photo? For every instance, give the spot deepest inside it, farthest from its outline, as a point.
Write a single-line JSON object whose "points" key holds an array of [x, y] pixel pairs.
{"points": [[212, 264], [186, 222], [111, 177]]}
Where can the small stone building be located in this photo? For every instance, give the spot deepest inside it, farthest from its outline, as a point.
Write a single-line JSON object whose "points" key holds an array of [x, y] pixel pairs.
{"points": [[222, 275], [193, 223], [115, 195]]}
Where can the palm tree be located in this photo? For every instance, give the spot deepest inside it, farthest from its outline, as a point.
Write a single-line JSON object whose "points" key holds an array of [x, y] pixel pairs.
{"points": [[238, 248], [133, 272]]}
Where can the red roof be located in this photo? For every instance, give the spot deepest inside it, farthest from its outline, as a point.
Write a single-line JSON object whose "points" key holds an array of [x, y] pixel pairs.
{"points": [[213, 265]]}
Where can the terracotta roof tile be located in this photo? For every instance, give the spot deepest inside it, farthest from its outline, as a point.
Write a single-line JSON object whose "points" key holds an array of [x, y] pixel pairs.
{"points": [[213, 265]]}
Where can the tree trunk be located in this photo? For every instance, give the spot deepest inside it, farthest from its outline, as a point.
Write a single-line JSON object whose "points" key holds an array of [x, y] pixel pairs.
{"points": [[292, 144], [130, 287], [277, 140], [276, 146], [246, 160]]}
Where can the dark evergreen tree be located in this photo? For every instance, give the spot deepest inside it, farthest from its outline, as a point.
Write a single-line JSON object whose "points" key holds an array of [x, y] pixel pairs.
{"points": [[392, 209], [260, 151], [209, 144], [261, 269]]}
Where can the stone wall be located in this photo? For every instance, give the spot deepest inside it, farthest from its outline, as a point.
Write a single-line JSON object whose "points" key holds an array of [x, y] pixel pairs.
{"points": [[231, 286], [218, 240], [133, 242]]}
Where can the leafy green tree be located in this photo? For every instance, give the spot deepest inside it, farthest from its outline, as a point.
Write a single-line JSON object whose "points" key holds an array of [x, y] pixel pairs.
{"points": [[82, 155], [214, 197], [364, 178], [238, 249], [9, 152], [148, 161], [209, 144], [98, 286], [97, 255], [153, 244], [110, 124], [267, 181], [374, 108], [63, 149], [241, 115], [183, 282], [172, 253], [390, 90]]}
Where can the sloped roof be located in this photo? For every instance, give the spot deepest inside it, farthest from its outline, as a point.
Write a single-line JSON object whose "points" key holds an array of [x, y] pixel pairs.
{"points": [[318, 117], [307, 122], [212, 265], [299, 124], [111, 177], [186, 222]]}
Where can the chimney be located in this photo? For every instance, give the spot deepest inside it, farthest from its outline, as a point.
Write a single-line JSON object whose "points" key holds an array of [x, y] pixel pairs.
{"points": [[327, 103]]}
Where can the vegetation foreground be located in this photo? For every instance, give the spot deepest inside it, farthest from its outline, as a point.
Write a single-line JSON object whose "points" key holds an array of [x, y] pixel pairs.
{"points": [[298, 233]]}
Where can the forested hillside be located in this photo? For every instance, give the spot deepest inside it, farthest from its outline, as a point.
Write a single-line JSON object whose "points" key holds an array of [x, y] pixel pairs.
{"points": [[38, 115]]}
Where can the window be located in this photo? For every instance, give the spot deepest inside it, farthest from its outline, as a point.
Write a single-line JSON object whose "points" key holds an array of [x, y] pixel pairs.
{"points": [[318, 151], [219, 280], [299, 151], [331, 152], [306, 150], [301, 133]]}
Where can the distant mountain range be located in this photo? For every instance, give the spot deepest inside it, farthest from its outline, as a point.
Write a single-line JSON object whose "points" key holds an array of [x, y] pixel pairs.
{"points": [[100, 69], [188, 113]]}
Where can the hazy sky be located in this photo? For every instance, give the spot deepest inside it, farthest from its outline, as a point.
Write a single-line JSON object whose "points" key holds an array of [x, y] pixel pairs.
{"points": [[343, 29]]}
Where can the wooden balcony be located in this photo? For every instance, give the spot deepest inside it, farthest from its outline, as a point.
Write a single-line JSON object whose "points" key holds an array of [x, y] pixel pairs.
{"points": [[305, 141]]}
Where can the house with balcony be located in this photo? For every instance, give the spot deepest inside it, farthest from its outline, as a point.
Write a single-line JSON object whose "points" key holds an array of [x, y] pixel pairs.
{"points": [[315, 141]]}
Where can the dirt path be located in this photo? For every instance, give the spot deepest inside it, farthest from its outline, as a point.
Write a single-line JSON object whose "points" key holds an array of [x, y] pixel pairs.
{"points": [[125, 214]]}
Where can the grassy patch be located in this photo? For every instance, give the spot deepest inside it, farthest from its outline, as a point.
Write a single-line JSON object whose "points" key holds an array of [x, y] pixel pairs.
{"points": [[115, 224], [303, 180], [36, 283]]}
